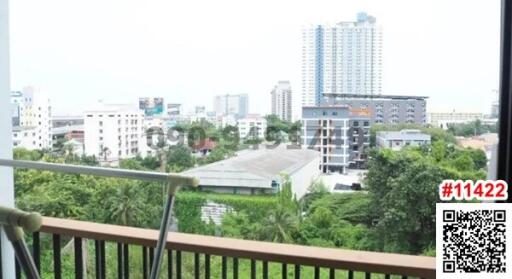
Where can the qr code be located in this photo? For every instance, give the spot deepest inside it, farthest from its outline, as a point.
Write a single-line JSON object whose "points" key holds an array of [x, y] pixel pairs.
{"points": [[472, 239]]}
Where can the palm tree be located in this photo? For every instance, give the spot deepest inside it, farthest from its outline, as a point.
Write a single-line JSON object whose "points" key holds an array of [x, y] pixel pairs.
{"points": [[285, 219], [126, 207], [278, 227], [68, 149], [105, 152]]}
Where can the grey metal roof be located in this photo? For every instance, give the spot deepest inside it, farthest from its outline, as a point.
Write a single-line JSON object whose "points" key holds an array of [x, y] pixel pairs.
{"points": [[254, 168]]}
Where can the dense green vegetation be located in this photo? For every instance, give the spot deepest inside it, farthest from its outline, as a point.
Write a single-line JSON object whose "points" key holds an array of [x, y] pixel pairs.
{"points": [[474, 128], [280, 130]]}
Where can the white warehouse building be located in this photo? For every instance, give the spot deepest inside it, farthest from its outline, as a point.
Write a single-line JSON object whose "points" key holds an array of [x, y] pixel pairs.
{"points": [[260, 171]]}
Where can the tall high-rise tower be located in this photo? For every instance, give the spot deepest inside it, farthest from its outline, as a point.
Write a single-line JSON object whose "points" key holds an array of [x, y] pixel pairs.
{"points": [[281, 97], [342, 58]]}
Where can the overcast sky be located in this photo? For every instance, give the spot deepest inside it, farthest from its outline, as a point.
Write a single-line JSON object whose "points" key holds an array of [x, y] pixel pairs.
{"points": [[77, 52]]}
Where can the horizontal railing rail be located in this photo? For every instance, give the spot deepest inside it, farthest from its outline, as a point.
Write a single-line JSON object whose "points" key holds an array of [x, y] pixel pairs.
{"points": [[99, 171], [295, 255]]}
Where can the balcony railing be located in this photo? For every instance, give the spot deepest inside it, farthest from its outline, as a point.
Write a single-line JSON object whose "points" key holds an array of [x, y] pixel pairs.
{"points": [[323, 262], [257, 257]]}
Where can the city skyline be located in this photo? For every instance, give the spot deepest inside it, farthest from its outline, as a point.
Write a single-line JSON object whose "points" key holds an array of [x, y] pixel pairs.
{"points": [[157, 51]]}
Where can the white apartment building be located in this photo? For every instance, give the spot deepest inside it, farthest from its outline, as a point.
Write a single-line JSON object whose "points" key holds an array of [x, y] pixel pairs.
{"points": [[343, 58], [113, 132], [31, 118], [281, 97], [443, 119], [252, 126], [237, 105]]}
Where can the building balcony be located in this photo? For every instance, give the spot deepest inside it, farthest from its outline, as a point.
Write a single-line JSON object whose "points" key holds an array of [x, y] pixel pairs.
{"points": [[65, 248]]}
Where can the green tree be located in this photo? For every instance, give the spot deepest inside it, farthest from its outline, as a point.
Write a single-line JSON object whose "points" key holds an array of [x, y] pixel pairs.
{"points": [[283, 220], [403, 191], [20, 153], [179, 158], [439, 150], [124, 206]]}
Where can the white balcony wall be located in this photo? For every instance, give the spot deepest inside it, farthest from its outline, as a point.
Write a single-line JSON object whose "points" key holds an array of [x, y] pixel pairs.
{"points": [[6, 175]]}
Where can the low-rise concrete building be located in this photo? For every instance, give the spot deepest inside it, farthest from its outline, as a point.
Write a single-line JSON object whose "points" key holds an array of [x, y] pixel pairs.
{"points": [[444, 119], [26, 137], [398, 139], [260, 171], [253, 126]]}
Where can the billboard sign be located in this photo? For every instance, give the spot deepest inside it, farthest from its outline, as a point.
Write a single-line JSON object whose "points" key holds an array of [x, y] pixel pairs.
{"points": [[152, 106], [173, 110]]}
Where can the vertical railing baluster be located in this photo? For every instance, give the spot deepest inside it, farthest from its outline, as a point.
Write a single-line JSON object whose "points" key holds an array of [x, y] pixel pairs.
{"points": [[17, 269], [350, 274], [1, 269], [253, 269], [368, 275], [120, 261], [36, 250], [144, 262], [178, 264], [317, 272], [265, 270], [224, 267], [79, 260], [332, 273], [97, 259], [206, 266], [169, 264], [103, 270], [196, 265], [151, 256], [284, 271], [126, 261], [297, 271], [235, 268], [57, 269]]}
